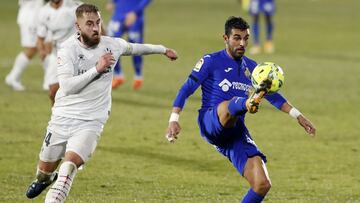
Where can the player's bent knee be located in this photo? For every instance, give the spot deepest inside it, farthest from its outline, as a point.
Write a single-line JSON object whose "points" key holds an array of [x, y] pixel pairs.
{"points": [[74, 158], [262, 187]]}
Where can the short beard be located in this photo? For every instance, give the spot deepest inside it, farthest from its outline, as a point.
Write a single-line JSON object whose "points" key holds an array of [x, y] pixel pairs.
{"points": [[88, 41]]}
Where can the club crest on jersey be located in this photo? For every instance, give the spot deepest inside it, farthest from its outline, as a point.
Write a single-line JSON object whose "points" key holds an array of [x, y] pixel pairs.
{"points": [[107, 50], [59, 61], [81, 56], [225, 85], [198, 65], [247, 72]]}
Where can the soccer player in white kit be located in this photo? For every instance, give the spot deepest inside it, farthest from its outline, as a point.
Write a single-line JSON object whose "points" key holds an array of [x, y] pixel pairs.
{"points": [[56, 18], [83, 101], [26, 20]]}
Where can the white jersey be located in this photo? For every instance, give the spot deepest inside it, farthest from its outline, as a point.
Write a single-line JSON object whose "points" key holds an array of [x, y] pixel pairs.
{"points": [[28, 11], [84, 93], [60, 22], [93, 100]]}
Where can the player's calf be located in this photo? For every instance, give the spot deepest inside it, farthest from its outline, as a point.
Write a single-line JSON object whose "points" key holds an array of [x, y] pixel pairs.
{"points": [[43, 179], [61, 188]]}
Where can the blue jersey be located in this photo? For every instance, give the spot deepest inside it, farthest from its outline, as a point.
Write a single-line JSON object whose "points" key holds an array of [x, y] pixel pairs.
{"points": [[122, 7], [221, 78]]}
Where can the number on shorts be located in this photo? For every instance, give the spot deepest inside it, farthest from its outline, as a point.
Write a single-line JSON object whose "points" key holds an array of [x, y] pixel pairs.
{"points": [[47, 138]]}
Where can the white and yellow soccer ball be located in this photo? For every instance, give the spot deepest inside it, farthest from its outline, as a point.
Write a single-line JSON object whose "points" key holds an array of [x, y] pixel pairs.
{"points": [[271, 71]]}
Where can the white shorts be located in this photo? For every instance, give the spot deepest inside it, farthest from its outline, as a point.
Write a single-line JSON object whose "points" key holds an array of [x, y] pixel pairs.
{"points": [[67, 134], [51, 70], [28, 35]]}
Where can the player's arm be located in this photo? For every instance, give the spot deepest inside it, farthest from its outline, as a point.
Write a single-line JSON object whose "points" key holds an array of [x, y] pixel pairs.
{"points": [[70, 84], [282, 104], [195, 79], [40, 44], [41, 32], [302, 120], [145, 49], [187, 89]]}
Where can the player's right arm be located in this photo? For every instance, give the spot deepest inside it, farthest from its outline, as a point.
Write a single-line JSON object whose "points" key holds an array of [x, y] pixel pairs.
{"points": [[73, 84], [195, 79]]}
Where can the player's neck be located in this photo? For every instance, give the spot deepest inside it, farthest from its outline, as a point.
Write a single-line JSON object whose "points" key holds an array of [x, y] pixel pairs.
{"points": [[56, 5]]}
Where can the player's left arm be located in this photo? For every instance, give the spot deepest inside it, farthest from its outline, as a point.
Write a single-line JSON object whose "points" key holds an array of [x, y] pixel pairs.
{"points": [[302, 120], [145, 49], [282, 104]]}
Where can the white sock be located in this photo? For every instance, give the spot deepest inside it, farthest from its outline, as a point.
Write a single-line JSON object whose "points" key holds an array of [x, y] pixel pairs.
{"points": [[20, 64], [61, 188]]}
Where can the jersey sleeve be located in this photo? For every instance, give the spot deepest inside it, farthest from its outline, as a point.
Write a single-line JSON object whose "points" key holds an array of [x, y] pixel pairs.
{"points": [[276, 99], [69, 82], [199, 73], [41, 27]]}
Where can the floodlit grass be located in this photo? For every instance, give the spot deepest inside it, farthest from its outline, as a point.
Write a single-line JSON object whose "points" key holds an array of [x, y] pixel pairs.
{"points": [[317, 45]]}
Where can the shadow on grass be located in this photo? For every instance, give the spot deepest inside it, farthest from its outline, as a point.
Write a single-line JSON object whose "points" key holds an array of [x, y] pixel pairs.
{"points": [[149, 154]]}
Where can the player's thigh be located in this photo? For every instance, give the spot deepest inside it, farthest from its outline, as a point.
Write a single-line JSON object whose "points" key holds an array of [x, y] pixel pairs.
{"points": [[254, 8], [51, 70], [136, 31], [256, 172], [116, 28], [241, 150], [268, 7], [84, 140], [54, 145], [28, 35]]}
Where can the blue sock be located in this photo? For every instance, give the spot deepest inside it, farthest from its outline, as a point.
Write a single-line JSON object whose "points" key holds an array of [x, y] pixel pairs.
{"points": [[255, 28], [252, 197], [117, 69], [237, 106], [269, 30], [137, 60]]}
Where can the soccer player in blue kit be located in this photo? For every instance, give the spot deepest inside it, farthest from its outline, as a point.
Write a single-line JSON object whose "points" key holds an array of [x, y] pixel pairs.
{"points": [[267, 7], [225, 82], [128, 17]]}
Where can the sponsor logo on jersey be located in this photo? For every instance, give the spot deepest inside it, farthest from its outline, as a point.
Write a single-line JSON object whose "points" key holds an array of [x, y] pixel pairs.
{"points": [[228, 69], [226, 85], [198, 65]]}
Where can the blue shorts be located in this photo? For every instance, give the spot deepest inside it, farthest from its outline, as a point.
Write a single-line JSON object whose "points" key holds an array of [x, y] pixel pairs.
{"points": [[234, 143], [135, 32], [262, 6]]}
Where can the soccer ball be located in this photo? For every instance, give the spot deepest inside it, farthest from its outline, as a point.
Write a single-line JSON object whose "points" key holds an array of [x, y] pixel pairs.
{"points": [[268, 70]]}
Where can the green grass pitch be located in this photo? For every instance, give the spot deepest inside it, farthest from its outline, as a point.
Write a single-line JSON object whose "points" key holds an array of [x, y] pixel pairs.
{"points": [[317, 45]]}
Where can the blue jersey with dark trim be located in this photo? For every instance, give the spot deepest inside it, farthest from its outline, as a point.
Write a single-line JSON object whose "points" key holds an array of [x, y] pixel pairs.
{"points": [[221, 78]]}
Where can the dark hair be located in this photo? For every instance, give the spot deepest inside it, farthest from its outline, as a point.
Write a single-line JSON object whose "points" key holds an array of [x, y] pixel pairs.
{"points": [[86, 8], [235, 22]]}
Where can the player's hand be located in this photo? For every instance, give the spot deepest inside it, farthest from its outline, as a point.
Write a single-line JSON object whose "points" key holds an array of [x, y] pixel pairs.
{"points": [[173, 131], [130, 19], [307, 125], [253, 102], [171, 54], [42, 54], [104, 62]]}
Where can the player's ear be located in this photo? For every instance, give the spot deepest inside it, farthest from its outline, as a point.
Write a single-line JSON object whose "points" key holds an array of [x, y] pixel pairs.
{"points": [[77, 26], [226, 38]]}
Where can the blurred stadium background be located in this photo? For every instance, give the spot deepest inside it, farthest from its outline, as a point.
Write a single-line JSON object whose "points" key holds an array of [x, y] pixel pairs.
{"points": [[317, 44]]}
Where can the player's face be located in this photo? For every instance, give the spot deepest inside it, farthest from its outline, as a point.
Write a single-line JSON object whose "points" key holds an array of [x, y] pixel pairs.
{"points": [[89, 27], [236, 42]]}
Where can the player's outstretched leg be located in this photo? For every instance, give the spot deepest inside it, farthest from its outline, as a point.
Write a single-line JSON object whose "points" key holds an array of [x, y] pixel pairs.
{"points": [[61, 188], [43, 179], [256, 174]]}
